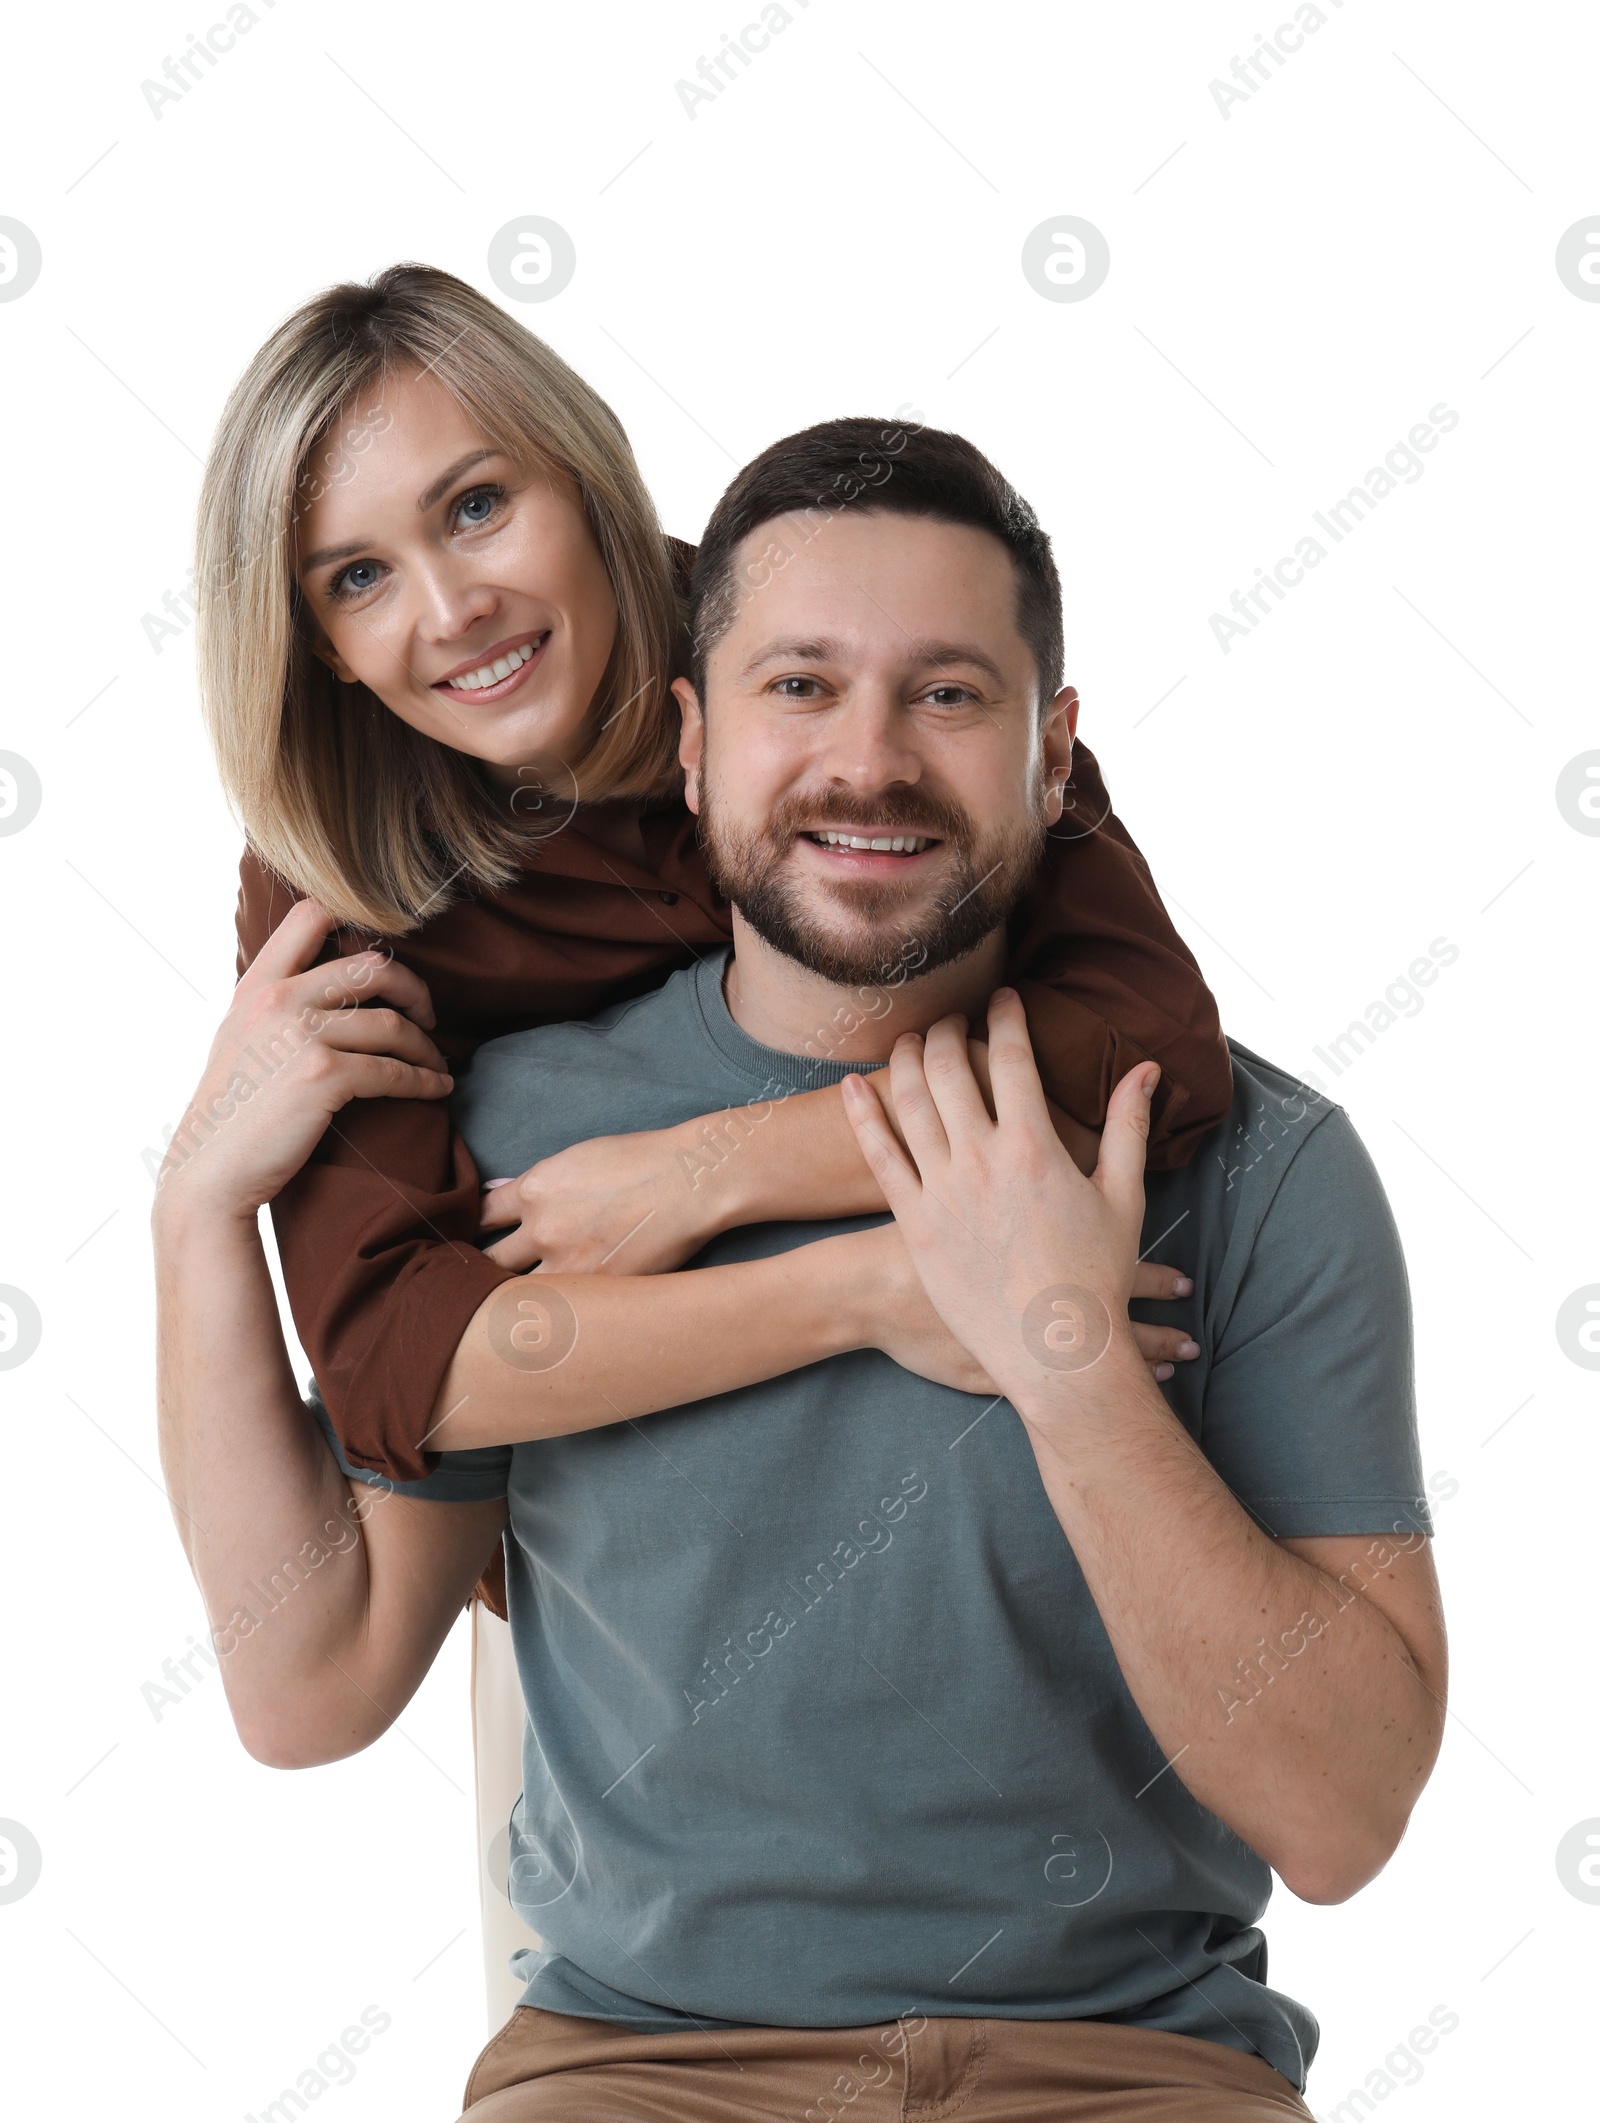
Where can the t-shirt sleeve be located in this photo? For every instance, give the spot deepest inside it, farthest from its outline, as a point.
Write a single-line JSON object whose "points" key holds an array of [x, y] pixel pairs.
{"points": [[1309, 1412], [460, 1477]]}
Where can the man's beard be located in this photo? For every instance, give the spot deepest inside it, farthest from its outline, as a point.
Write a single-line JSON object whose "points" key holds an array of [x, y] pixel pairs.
{"points": [[889, 930]]}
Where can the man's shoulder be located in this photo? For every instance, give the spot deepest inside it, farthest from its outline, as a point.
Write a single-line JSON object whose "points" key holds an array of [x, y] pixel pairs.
{"points": [[1258, 1082], [1287, 1146], [1275, 1118]]}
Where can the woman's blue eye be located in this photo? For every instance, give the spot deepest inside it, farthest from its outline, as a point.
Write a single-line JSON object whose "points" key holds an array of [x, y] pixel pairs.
{"points": [[486, 499], [346, 580]]}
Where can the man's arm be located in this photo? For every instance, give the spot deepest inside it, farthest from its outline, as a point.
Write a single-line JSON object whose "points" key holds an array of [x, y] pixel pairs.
{"points": [[1319, 1768], [1316, 1751]]}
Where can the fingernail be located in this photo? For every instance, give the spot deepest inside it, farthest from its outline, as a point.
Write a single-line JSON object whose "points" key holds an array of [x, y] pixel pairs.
{"points": [[1182, 1286], [1150, 1083], [1004, 995], [1188, 1348], [1163, 1373]]}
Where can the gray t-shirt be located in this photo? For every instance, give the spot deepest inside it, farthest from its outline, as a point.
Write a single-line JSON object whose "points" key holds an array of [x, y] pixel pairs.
{"points": [[824, 1725]]}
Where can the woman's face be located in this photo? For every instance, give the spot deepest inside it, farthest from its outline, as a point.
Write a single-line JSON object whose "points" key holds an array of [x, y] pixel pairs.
{"points": [[465, 590]]}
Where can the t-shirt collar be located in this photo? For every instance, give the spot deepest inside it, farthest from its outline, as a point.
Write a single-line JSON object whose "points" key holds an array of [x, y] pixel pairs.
{"points": [[772, 1068]]}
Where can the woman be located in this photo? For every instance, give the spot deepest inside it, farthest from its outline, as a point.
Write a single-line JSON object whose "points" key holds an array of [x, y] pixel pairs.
{"points": [[437, 627]]}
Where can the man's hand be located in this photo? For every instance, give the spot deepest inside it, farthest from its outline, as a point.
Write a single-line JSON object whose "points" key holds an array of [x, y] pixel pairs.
{"points": [[906, 1324], [1028, 1263]]}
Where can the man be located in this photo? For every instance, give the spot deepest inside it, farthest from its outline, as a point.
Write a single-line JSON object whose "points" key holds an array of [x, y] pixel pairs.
{"points": [[895, 1748]]}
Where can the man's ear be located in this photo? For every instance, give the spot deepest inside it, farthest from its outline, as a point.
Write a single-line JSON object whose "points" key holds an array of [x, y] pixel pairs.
{"points": [[1056, 734], [691, 741]]}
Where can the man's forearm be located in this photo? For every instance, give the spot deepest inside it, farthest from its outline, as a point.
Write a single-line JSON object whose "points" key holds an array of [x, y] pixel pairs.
{"points": [[547, 1355], [1318, 1770]]}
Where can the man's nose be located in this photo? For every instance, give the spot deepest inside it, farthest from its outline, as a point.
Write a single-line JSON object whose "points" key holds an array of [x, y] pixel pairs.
{"points": [[870, 742]]}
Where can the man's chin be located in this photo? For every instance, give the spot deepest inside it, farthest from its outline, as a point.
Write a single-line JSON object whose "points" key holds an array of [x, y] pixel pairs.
{"points": [[874, 936]]}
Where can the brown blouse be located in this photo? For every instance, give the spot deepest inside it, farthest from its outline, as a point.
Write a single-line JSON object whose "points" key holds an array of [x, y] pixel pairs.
{"points": [[378, 1233]]}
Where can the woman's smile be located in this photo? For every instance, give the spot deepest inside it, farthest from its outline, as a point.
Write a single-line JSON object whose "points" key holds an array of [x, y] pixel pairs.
{"points": [[498, 670]]}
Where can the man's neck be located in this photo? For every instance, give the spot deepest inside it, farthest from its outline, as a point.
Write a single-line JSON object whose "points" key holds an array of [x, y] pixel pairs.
{"points": [[781, 1004]]}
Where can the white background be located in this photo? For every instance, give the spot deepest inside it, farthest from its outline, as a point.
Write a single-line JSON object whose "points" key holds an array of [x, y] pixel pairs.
{"points": [[1370, 234]]}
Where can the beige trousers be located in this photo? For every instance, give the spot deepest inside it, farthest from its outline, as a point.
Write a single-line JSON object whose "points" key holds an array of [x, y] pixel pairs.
{"points": [[545, 2067]]}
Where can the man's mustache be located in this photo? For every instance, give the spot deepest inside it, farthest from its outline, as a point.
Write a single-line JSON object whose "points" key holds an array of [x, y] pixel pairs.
{"points": [[905, 810]]}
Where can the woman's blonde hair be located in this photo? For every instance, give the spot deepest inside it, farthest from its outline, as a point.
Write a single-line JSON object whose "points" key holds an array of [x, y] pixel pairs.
{"points": [[335, 792]]}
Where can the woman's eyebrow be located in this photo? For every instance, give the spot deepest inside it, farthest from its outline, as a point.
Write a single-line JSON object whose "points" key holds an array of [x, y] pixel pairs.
{"points": [[324, 555], [427, 499]]}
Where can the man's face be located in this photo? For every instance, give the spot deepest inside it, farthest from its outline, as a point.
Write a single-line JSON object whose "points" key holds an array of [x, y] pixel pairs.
{"points": [[874, 689]]}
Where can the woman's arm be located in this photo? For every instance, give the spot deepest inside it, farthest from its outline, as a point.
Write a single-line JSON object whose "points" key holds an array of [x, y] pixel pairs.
{"points": [[327, 1600], [378, 1232], [648, 1201], [552, 1354]]}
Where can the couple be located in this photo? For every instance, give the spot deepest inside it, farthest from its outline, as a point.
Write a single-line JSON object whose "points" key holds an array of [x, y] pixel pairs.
{"points": [[924, 1663]]}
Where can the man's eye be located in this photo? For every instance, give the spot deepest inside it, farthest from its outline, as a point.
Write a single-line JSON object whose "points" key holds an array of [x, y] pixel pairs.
{"points": [[355, 580], [478, 506], [948, 696], [797, 688]]}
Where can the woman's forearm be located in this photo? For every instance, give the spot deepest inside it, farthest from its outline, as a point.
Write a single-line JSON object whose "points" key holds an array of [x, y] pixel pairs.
{"points": [[284, 1548], [253, 1487], [547, 1355], [800, 1159]]}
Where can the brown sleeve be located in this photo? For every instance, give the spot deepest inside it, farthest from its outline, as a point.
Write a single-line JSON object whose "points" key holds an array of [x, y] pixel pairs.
{"points": [[1107, 981], [378, 1237]]}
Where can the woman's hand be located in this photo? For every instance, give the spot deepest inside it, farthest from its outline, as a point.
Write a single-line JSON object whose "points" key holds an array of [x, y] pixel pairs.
{"points": [[1028, 1263], [294, 1048], [615, 1205], [1163, 1348]]}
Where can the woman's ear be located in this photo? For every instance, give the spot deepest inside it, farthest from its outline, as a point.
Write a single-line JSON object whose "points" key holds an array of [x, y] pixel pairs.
{"points": [[325, 652], [1059, 728], [691, 741]]}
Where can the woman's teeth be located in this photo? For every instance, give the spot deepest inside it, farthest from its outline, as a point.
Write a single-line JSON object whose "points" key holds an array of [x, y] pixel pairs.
{"points": [[492, 673], [898, 844]]}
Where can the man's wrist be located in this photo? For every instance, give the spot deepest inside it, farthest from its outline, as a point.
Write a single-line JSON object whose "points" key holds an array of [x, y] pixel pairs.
{"points": [[1060, 1391]]}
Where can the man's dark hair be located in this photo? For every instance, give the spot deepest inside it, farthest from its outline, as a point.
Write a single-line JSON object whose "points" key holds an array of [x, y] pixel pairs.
{"points": [[865, 465]]}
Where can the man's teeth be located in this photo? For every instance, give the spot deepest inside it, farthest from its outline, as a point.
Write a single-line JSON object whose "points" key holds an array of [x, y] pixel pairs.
{"points": [[491, 673], [898, 844]]}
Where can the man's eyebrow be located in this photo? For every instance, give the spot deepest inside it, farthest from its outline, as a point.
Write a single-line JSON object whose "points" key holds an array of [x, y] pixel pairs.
{"points": [[325, 555], [798, 649], [932, 655], [940, 655]]}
